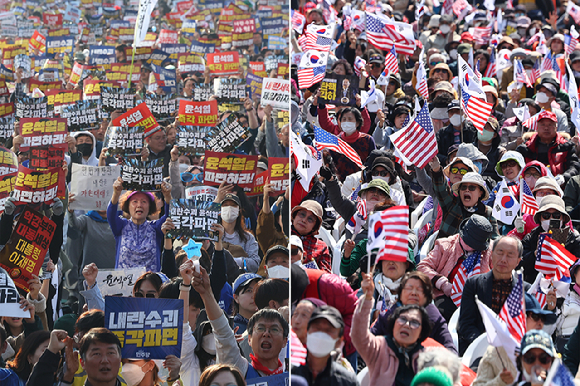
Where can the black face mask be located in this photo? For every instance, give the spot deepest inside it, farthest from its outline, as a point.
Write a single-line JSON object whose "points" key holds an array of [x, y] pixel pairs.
{"points": [[85, 148]]}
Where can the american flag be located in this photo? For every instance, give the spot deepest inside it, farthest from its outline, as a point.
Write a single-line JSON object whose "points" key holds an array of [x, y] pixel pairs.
{"points": [[389, 233], [471, 266], [547, 64], [402, 35], [376, 31], [298, 352], [302, 40], [476, 109], [550, 63], [574, 11], [532, 122], [552, 259], [359, 66], [481, 35], [491, 70], [356, 222], [417, 141], [319, 37], [447, 8], [325, 140], [476, 70], [535, 72], [571, 41], [421, 85], [527, 200], [520, 73], [383, 33], [298, 21], [513, 311], [312, 68], [559, 375], [361, 207], [541, 297], [391, 63]]}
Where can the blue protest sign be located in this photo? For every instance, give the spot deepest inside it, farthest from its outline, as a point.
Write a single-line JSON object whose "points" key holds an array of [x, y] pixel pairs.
{"points": [[202, 48], [254, 86], [276, 43], [272, 380], [147, 328]]}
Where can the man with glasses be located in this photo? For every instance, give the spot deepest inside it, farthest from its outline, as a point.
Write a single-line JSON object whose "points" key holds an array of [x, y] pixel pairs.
{"points": [[157, 147]]}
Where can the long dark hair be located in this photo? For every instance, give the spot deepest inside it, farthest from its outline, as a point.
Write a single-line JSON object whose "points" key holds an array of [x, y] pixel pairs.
{"points": [[20, 364], [240, 226]]}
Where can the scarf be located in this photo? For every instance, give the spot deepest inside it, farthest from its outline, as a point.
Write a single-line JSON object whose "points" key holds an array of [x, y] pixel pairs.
{"points": [[94, 215], [385, 287], [260, 367]]}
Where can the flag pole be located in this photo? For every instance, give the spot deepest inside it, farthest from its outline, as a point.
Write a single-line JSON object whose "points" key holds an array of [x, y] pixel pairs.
{"points": [[131, 69]]}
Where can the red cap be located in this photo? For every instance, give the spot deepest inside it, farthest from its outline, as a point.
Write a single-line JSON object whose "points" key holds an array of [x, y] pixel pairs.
{"points": [[548, 115], [466, 37]]}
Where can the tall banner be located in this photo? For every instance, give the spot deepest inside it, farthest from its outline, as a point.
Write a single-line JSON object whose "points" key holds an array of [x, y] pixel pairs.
{"points": [[143, 19]]}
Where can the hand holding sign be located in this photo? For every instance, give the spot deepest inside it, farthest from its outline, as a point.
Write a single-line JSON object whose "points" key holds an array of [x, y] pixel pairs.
{"points": [[173, 364], [201, 282], [167, 226], [186, 272]]}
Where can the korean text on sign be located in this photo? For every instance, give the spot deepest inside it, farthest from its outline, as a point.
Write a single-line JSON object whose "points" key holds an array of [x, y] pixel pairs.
{"points": [[231, 168]]}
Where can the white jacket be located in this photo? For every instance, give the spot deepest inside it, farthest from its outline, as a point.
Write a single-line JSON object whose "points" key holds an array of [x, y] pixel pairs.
{"points": [[568, 319]]}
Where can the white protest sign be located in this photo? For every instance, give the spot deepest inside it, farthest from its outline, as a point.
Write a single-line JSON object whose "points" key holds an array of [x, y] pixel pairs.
{"points": [[119, 281], [92, 186], [9, 298], [202, 193], [276, 93]]}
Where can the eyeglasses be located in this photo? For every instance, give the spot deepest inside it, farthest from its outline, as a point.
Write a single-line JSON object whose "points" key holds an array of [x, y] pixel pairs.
{"points": [[141, 295], [536, 317], [439, 70], [532, 174], [509, 164], [272, 330], [376, 65], [304, 214], [414, 324], [470, 187], [543, 358], [456, 170], [555, 215], [294, 251], [380, 173]]}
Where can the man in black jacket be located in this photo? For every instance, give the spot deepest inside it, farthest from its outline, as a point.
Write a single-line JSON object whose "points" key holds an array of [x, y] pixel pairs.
{"points": [[491, 288], [458, 131]]}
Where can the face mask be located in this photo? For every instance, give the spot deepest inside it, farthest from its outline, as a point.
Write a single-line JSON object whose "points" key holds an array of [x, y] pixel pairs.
{"points": [[532, 31], [486, 136], [230, 213], [132, 374], [348, 127], [541, 97], [320, 344], [453, 54], [546, 224], [531, 181], [445, 28], [455, 119], [576, 74], [85, 148], [478, 165], [386, 179], [278, 272], [208, 344], [183, 168]]}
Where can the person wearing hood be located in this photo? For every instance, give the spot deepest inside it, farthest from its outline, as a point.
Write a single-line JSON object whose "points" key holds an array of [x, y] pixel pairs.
{"points": [[464, 199], [394, 90], [306, 222], [84, 150], [455, 133], [509, 168], [551, 148], [488, 143], [394, 123], [546, 94], [551, 216], [468, 247]]}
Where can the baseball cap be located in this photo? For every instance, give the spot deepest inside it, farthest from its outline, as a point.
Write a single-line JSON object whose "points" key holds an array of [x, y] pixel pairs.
{"points": [[232, 197], [377, 59], [331, 314], [547, 115], [537, 339], [245, 279], [274, 249], [296, 241]]}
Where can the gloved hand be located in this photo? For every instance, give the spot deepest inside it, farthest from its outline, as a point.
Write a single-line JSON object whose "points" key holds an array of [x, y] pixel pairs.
{"points": [[326, 173], [520, 224], [446, 288], [57, 207], [434, 164], [9, 206], [560, 179]]}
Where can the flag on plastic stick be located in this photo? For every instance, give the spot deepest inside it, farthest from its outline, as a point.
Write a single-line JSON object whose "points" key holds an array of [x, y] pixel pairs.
{"points": [[389, 234], [552, 259], [491, 70], [356, 222], [520, 74], [391, 62], [527, 199], [559, 375], [532, 122], [469, 267], [298, 351], [505, 206], [513, 311], [319, 37], [497, 331], [307, 164], [571, 40], [468, 80], [370, 96], [536, 290], [312, 68], [475, 109], [574, 11], [298, 21], [326, 140]]}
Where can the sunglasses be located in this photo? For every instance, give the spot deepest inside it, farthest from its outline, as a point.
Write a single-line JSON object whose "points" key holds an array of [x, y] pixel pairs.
{"points": [[509, 164], [380, 173], [535, 175], [462, 171], [543, 358], [439, 70], [188, 177], [294, 251], [536, 317], [140, 295], [555, 215], [471, 188], [434, 63]]}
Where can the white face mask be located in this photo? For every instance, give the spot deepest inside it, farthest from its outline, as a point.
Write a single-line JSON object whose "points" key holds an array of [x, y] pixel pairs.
{"points": [[531, 181], [386, 179], [348, 127], [208, 344], [546, 224], [278, 272], [445, 28], [455, 119], [532, 31], [320, 344], [230, 213], [453, 54], [183, 168], [132, 374], [541, 97]]}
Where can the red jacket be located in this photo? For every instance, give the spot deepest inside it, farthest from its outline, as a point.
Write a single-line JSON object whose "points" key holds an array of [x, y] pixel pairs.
{"points": [[562, 157]]}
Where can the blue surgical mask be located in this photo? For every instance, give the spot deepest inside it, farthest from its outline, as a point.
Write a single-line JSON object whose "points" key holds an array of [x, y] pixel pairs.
{"points": [[479, 166]]}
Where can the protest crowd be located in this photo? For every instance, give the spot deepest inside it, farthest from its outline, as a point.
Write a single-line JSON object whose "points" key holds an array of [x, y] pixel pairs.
{"points": [[434, 192], [144, 192]]}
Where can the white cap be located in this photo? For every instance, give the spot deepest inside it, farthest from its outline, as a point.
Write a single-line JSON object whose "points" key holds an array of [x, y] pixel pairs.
{"points": [[295, 240]]}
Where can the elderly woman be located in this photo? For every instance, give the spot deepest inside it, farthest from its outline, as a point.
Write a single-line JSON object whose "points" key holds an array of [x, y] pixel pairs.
{"points": [[392, 358], [465, 199], [306, 221], [415, 288]]}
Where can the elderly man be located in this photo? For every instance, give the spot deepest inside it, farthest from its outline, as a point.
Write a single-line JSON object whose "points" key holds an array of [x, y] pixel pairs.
{"points": [[546, 93], [491, 288], [551, 148], [464, 250]]}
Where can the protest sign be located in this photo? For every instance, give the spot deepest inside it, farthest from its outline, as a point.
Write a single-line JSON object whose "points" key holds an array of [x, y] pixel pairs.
{"points": [[36, 186], [58, 45], [276, 93], [10, 298], [277, 43], [229, 90], [117, 98], [42, 132], [192, 140], [223, 63], [141, 53], [120, 72], [258, 187], [258, 69], [148, 328], [6, 129], [198, 113], [273, 26], [92, 88], [168, 36], [24, 253], [6, 110], [45, 86], [339, 90], [139, 175], [118, 282], [82, 115], [231, 168], [8, 161], [201, 92], [271, 62], [279, 171], [165, 79], [92, 186], [193, 219], [254, 85], [201, 193], [47, 157], [161, 106], [27, 107], [191, 63], [140, 115], [228, 135], [283, 70], [281, 118], [202, 48], [175, 51], [60, 98], [123, 141], [37, 42], [51, 20]]}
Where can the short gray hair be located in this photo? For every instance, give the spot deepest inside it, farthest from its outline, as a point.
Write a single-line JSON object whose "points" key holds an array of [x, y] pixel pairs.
{"points": [[519, 244], [441, 357]]}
